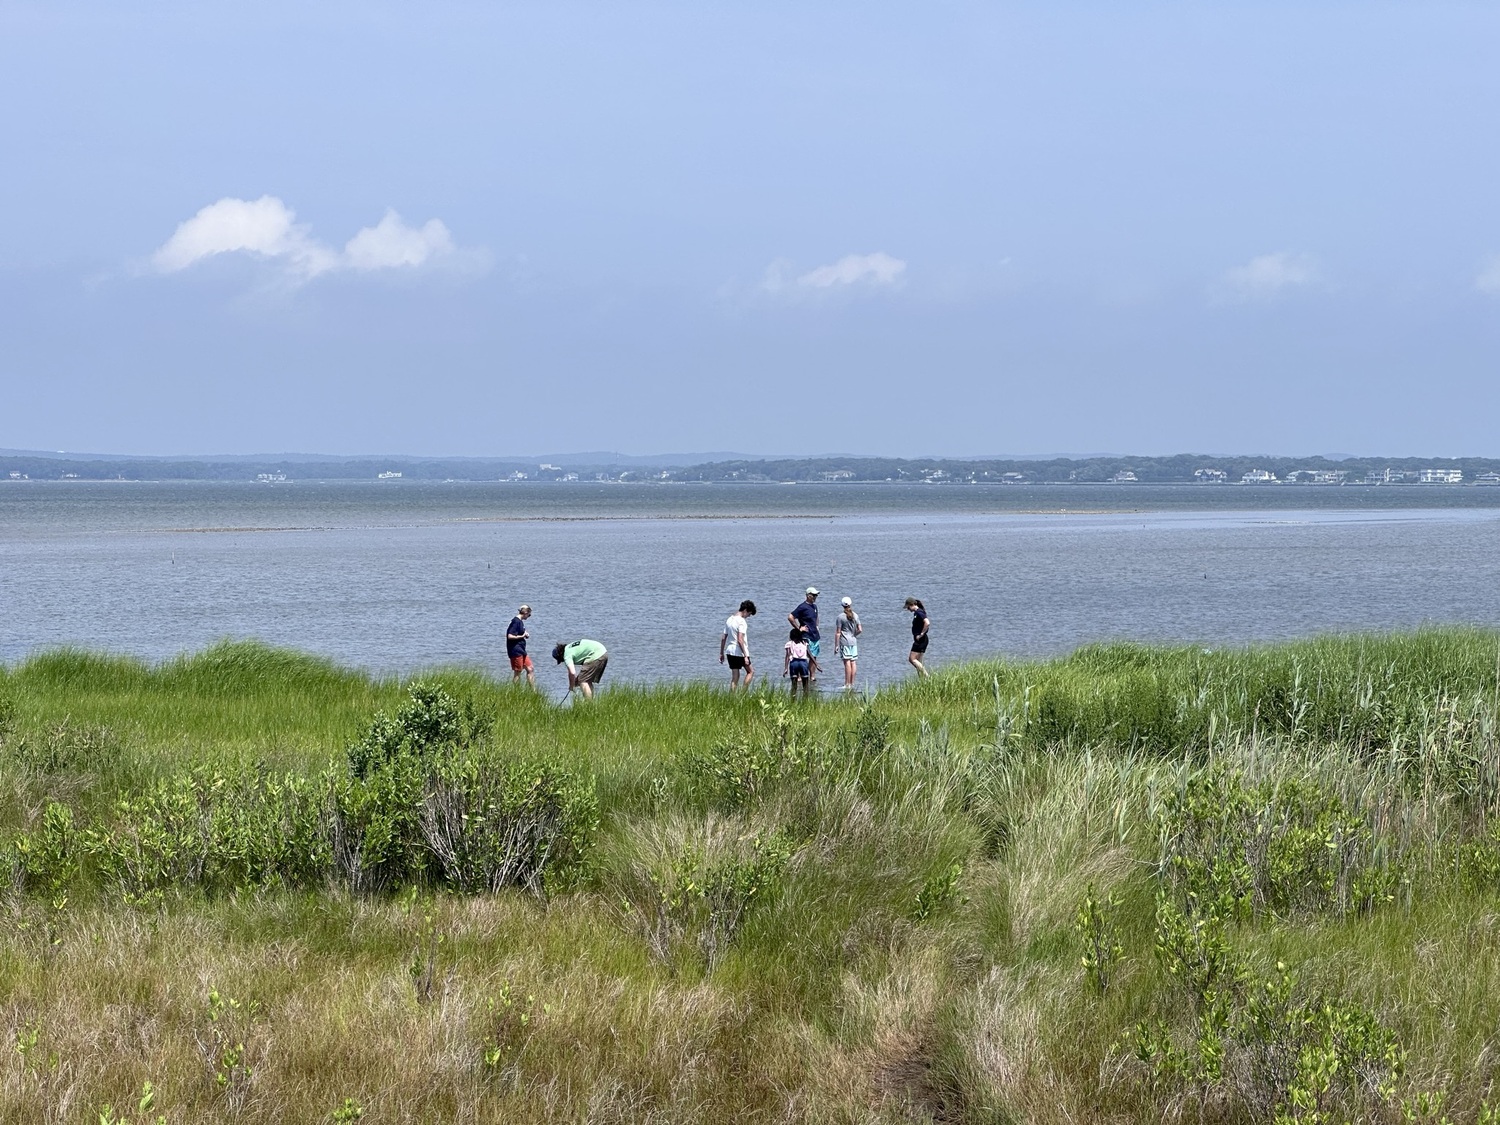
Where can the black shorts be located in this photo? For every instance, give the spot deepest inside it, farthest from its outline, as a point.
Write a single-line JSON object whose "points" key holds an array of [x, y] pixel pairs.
{"points": [[736, 662], [919, 644]]}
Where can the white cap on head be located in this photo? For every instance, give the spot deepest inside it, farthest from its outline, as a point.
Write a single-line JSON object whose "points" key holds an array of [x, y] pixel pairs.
{"points": [[813, 590], [848, 601]]}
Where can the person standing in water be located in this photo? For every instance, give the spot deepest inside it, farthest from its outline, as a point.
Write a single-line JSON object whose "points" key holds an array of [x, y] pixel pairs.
{"points": [[805, 617], [515, 647], [734, 645], [846, 631], [794, 661], [920, 623]]}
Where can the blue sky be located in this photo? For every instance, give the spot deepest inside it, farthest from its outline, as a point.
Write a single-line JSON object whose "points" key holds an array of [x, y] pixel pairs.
{"points": [[947, 228]]}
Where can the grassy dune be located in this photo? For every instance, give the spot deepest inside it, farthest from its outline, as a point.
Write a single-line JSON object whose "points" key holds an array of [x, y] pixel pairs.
{"points": [[1130, 885]]}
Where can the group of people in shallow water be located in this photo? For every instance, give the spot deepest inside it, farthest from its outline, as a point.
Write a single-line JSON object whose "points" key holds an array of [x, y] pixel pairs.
{"points": [[803, 648], [586, 659]]}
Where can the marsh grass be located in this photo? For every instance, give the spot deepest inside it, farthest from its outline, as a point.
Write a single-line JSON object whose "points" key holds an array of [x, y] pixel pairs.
{"points": [[829, 912]]}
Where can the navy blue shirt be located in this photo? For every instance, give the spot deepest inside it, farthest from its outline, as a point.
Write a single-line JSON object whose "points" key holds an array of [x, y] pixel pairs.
{"points": [[515, 648], [807, 617], [918, 622]]}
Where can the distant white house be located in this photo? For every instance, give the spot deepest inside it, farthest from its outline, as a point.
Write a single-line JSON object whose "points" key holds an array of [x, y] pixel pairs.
{"points": [[270, 478], [1125, 476], [1482, 478], [388, 475], [546, 468], [1259, 476], [517, 475], [838, 474], [1210, 476], [19, 476], [1441, 476]]}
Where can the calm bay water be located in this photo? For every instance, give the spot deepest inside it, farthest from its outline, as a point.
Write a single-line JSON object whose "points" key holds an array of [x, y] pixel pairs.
{"points": [[396, 576]]}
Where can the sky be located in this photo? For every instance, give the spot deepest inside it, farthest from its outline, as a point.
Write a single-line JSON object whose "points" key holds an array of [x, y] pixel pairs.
{"points": [[488, 229]]}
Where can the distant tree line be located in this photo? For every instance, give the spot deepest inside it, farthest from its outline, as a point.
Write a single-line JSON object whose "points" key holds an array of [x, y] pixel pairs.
{"points": [[1176, 469]]}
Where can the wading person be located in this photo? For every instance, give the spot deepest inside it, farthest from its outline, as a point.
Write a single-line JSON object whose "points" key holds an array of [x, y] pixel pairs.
{"points": [[805, 617], [846, 631], [734, 645], [794, 661], [515, 647], [586, 660], [920, 623]]}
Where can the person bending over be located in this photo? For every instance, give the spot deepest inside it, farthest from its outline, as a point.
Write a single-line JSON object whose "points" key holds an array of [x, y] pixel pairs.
{"points": [[586, 661]]}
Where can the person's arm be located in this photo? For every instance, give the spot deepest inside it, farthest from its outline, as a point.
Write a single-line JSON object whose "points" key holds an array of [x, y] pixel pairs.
{"points": [[572, 670], [742, 638], [723, 640], [858, 628], [786, 659], [521, 636]]}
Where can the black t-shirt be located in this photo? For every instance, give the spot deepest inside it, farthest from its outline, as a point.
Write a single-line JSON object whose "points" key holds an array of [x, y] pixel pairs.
{"points": [[918, 623], [807, 616], [515, 648]]}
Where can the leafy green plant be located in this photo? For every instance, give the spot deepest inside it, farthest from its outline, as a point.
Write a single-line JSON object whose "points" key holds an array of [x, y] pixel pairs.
{"points": [[508, 1025], [702, 901], [939, 891], [143, 1107], [222, 1037], [1102, 950]]}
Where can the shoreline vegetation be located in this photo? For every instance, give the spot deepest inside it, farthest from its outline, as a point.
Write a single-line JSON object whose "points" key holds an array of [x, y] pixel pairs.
{"points": [[1131, 884]]}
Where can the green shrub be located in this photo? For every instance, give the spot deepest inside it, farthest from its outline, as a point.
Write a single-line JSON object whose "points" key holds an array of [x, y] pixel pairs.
{"points": [[1284, 845]]}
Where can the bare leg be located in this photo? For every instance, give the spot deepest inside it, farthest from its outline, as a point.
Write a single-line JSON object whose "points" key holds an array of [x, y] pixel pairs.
{"points": [[848, 675], [915, 660], [587, 689]]}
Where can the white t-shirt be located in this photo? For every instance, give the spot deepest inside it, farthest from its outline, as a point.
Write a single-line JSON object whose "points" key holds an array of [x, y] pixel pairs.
{"points": [[733, 628]]}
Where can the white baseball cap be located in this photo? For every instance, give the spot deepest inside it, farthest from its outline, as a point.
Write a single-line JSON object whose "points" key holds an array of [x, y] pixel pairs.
{"points": [[813, 590], [848, 601]]}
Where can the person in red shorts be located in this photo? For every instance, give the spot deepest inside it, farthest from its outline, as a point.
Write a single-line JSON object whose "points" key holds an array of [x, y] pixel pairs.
{"points": [[515, 647]]}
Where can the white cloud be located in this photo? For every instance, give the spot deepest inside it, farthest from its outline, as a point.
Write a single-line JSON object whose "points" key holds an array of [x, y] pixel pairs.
{"points": [[851, 272], [1271, 274], [392, 243], [855, 269], [1488, 280], [267, 228]]}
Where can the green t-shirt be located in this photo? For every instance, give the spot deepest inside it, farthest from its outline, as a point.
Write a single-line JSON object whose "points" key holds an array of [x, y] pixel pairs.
{"points": [[581, 652]]}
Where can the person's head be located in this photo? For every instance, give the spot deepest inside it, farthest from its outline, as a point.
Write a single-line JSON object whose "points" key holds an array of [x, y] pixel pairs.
{"points": [[915, 603], [747, 608], [557, 652], [796, 635], [848, 604], [812, 593], [524, 612]]}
